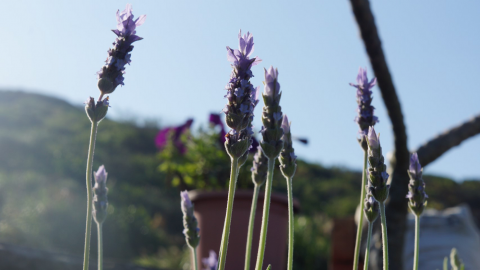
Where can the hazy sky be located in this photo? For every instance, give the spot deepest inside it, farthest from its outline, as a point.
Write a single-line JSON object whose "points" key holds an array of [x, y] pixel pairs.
{"points": [[180, 68]]}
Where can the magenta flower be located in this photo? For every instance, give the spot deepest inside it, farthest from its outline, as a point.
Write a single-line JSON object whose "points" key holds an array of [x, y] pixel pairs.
{"points": [[111, 75], [175, 132], [365, 110]]}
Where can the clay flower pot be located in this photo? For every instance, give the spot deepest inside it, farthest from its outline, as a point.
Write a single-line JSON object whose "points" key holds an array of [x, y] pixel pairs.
{"points": [[210, 210]]}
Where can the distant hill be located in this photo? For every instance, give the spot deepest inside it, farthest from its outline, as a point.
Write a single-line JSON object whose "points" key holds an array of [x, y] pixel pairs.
{"points": [[43, 150]]}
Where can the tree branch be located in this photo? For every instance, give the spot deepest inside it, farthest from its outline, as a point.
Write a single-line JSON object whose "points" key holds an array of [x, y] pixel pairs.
{"points": [[397, 207], [436, 147]]}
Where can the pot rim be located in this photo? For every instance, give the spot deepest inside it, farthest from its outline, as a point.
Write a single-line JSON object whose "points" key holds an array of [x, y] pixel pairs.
{"points": [[200, 195]]}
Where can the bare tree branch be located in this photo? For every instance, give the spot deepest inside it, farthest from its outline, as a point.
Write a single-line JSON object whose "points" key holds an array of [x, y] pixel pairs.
{"points": [[397, 207], [436, 147]]}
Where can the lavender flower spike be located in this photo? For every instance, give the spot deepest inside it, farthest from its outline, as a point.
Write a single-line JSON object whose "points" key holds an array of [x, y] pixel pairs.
{"points": [[377, 175], [100, 201], [365, 110], [287, 157], [211, 262], [111, 75], [416, 187], [272, 118], [241, 97], [189, 221]]}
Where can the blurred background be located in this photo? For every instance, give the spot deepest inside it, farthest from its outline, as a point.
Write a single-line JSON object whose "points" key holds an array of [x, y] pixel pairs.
{"points": [[53, 49]]}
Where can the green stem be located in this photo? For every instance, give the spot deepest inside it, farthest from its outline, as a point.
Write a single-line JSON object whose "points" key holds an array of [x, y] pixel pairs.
{"points": [[266, 210], [251, 223], [195, 258], [360, 222], [367, 251], [100, 245], [88, 230], [228, 217], [384, 235], [290, 224], [417, 242]]}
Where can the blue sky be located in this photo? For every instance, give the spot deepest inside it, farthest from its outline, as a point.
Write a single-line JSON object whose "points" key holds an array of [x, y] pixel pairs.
{"points": [[180, 68]]}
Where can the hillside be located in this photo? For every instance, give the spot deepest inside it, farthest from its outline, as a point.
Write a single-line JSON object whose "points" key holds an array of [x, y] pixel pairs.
{"points": [[43, 142]]}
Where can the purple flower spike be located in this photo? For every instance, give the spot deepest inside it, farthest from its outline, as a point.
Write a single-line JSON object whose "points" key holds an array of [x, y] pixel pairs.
{"points": [[416, 187], [186, 202], [415, 169], [100, 190], [111, 75], [241, 96], [272, 87], [189, 221], [365, 110], [101, 175], [373, 139], [211, 262]]}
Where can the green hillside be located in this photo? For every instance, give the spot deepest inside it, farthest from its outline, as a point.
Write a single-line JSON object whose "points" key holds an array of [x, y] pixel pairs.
{"points": [[43, 149]]}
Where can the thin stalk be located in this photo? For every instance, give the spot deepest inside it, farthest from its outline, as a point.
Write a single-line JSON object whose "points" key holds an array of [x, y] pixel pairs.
{"points": [[360, 222], [384, 235], [88, 230], [367, 251], [266, 210], [100, 245], [251, 223], [417, 242], [228, 217], [290, 224], [195, 258]]}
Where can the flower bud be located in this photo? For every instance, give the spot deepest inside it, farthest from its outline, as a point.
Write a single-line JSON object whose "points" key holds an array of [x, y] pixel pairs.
{"points": [[96, 111], [370, 208], [259, 168]]}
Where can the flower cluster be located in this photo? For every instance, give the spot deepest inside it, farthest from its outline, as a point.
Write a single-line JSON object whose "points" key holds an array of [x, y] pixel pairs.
{"points": [[416, 187], [189, 221], [272, 131], [241, 96], [287, 157], [100, 201], [111, 75], [377, 175], [365, 117]]}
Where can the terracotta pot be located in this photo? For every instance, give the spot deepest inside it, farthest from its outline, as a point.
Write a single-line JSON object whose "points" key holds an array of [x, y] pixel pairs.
{"points": [[210, 210]]}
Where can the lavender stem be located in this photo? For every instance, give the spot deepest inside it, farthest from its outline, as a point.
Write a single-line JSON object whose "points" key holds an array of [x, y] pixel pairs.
{"points": [[360, 222], [266, 210], [251, 223], [88, 230], [228, 217]]}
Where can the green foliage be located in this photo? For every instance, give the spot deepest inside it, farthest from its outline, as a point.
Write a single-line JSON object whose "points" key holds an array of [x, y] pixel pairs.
{"points": [[44, 145], [204, 165]]}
